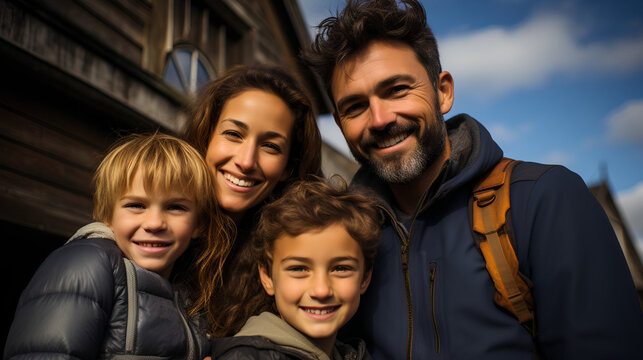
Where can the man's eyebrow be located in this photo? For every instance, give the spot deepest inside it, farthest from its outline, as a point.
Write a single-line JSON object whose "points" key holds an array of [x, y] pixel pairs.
{"points": [[392, 80], [378, 88]]}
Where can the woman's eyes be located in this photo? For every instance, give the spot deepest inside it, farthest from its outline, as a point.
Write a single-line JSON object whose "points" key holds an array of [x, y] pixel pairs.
{"points": [[273, 147], [236, 136], [232, 134]]}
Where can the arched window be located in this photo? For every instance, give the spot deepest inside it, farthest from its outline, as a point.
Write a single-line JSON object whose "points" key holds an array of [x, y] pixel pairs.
{"points": [[187, 69]]}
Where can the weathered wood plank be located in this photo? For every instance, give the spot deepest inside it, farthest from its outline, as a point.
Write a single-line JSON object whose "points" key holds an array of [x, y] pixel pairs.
{"points": [[22, 129], [44, 168], [39, 205], [123, 40]]}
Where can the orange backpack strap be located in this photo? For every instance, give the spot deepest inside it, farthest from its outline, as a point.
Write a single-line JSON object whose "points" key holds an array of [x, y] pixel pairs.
{"points": [[489, 214]]}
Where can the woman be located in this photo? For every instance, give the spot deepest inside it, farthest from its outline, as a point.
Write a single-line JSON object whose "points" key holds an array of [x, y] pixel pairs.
{"points": [[258, 133]]}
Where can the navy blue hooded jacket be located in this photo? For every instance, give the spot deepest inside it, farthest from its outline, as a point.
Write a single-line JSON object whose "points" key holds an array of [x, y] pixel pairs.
{"points": [[431, 296]]}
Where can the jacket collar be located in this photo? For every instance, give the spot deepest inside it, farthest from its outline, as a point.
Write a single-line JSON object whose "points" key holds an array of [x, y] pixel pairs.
{"points": [[280, 332]]}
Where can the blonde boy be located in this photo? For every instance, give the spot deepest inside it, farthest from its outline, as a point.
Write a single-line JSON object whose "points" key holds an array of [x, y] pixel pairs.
{"points": [[114, 296]]}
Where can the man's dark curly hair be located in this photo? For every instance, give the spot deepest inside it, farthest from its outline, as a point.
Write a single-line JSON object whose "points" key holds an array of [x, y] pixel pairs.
{"points": [[363, 21]]}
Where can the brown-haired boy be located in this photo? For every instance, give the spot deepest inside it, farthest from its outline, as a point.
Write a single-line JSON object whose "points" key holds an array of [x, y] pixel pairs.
{"points": [[315, 249]]}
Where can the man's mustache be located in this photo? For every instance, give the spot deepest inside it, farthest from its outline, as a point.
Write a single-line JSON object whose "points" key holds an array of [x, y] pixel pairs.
{"points": [[392, 130]]}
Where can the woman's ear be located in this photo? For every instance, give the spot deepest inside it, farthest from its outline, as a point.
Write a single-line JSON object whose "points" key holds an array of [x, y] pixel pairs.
{"points": [[266, 281], [365, 281]]}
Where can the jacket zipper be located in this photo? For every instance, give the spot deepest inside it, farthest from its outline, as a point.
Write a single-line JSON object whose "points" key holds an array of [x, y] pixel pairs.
{"points": [[409, 304], [436, 334], [404, 240], [405, 243]]}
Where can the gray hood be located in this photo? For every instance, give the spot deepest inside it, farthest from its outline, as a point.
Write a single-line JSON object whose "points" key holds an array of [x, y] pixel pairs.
{"points": [[280, 332]]}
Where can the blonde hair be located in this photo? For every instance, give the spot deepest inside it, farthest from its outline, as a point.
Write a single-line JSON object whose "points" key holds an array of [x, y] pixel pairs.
{"points": [[165, 164], [168, 164]]}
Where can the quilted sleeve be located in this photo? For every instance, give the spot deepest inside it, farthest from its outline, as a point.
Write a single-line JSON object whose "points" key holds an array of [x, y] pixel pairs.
{"points": [[65, 309]]}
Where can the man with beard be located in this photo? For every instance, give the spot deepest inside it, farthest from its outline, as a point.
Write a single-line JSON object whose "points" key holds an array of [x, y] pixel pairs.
{"points": [[431, 296]]}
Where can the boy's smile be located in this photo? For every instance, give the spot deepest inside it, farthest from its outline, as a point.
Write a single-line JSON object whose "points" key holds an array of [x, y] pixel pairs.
{"points": [[317, 279]]}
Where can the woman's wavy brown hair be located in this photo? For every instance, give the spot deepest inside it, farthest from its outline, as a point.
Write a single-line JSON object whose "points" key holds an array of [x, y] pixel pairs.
{"points": [[223, 310]]}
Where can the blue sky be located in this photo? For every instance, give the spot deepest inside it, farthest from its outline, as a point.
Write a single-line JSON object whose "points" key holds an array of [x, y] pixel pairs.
{"points": [[553, 81]]}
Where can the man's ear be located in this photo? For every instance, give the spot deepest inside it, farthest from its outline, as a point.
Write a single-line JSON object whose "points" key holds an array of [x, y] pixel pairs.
{"points": [[266, 281], [365, 281], [445, 91]]}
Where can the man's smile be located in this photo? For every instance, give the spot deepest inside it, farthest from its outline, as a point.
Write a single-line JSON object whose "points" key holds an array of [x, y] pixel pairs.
{"points": [[383, 143]]}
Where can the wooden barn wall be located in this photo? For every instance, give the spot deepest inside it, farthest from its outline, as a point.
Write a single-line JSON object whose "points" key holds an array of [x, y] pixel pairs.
{"points": [[76, 75]]}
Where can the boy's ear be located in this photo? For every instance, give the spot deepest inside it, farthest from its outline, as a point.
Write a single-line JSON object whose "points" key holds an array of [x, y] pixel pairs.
{"points": [[365, 281], [266, 281]]}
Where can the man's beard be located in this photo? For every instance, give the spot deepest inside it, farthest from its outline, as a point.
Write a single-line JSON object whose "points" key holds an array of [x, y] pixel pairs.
{"points": [[401, 169]]}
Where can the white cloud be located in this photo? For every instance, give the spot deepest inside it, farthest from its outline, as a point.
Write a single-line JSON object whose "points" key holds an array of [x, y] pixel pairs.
{"points": [[630, 203], [626, 122], [497, 60], [504, 134], [558, 157]]}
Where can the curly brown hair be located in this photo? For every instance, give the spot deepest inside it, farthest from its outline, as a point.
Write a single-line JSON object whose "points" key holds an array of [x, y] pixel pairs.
{"points": [[364, 21], [312, 205]]}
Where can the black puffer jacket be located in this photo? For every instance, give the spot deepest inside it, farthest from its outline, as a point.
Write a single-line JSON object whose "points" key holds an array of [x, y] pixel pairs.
{"points": [[76, 306]]}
